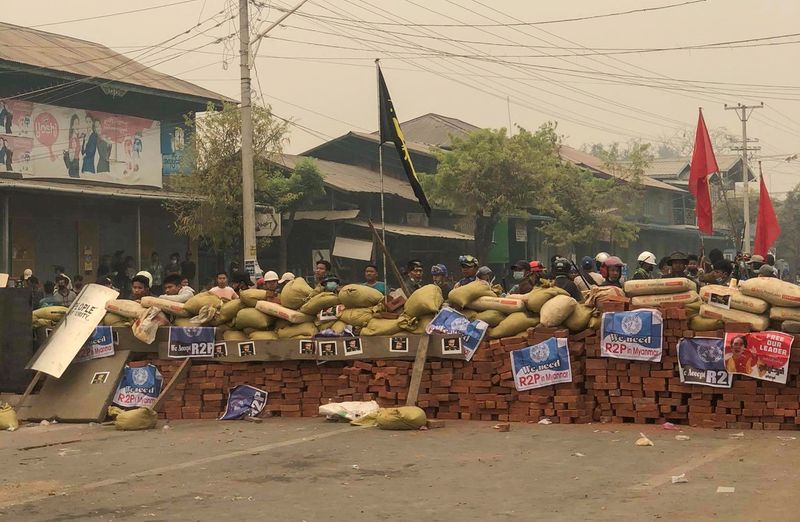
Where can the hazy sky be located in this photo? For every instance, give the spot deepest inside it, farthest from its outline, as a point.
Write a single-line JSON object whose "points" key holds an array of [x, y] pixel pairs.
{"points": [[318, 68]]}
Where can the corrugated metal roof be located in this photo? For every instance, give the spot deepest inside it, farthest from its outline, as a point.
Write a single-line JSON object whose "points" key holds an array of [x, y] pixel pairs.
{"points": [[22, 45], [435, 130], [672, 168], [324, 215], [409, 230], [350, 178], [91, 190]]}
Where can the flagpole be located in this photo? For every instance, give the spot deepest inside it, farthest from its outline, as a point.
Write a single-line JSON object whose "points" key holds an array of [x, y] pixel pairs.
{"points": [[380, 170]]}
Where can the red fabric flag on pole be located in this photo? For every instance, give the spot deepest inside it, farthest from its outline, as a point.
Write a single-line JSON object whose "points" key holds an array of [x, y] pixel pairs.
{"points": [[704, 163], [767, 227]]}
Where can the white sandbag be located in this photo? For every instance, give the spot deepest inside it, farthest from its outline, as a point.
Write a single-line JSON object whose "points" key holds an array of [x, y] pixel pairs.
{"points": [[348, 410], [739, 301], [166, 306], [757, 322], [556, 310], [501, 304], [772, 290], [784, 313], [281, 312], [657, 299], [126, 308], [668, 285]]}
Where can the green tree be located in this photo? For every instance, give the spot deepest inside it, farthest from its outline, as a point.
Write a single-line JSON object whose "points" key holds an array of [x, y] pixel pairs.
{"points": [[212, 208]]}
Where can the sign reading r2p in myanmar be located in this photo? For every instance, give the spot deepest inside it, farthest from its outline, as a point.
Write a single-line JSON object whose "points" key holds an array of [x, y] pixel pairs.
{"points": [[637, 335], [541, 365]]}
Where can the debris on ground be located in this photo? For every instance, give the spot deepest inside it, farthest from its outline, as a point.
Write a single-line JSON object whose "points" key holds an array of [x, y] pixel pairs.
{"points": [[682, 437], [644, 441], [670, 426], [504, 426], [577, 454], [739, 435], [725, 489], [679, 479], [545, 421]]}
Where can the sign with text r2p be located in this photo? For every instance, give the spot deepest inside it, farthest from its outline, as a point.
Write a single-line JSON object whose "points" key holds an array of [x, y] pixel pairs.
{"points": [[541, 365], [701, 360], [191, 341], [637, 335]]}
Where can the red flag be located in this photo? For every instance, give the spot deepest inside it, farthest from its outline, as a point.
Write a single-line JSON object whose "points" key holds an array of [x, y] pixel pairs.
{"points": [[703, 164], [767, 227]]}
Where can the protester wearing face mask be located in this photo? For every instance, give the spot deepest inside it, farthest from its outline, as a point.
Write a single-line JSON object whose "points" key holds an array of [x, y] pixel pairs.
{"points": [[330, 283], [722, 272], [519, 271]]}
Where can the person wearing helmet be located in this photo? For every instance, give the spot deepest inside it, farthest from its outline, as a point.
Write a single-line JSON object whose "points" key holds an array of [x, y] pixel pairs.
{"points": [[330, 283], [413, 279], [560, 273], [678, 261], [469, 269], [647, 262], [599, 259], [588, 268], [520, 275], [613, 269], [439, 275]]}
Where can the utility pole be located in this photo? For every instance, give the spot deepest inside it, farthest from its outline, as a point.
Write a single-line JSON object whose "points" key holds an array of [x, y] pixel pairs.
{"points": [[248, 190], [744, 112]]}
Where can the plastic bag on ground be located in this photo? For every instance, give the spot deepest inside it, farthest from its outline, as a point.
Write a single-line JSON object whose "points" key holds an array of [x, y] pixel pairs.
{"points": [[348, 410]]}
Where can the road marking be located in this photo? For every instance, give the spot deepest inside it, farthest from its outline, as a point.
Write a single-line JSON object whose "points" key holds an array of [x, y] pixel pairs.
{"points": [[179, 466], [665, 477]]}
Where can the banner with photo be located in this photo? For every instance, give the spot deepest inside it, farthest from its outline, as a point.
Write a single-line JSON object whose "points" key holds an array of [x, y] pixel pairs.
{"points": [[541, 365], [451, 322], [761, 355], [701, 360], [637, 335]]}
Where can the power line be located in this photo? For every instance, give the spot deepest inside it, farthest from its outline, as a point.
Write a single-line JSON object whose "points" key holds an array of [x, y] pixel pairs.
{"points": [[110, 15]]}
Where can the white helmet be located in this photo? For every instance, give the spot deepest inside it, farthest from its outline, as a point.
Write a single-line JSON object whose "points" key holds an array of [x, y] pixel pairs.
{"points": [[647, 257], [601, 257]]}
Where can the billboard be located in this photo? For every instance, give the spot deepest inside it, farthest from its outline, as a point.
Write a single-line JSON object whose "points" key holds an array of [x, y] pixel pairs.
{"points": [[49, 142]]}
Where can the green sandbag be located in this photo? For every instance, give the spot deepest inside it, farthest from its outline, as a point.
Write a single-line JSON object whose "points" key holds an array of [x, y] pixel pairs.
{"points": [[356, 316], [195, 303], [705, 324], [252, 318], [491, 317], [402, 418], [381, 327], [8, 417], [295, 292], [138, 419], [182, 321], [692, 309], [463, 295], [426, 300], [514, 324], [594, 322], [470, 314], [112, 319], [324, 326], [51, 313], [415, 325], [264, 336], [235, 335], [228, 312], [297, 331], [359, 296], [44, 323], [539, 296], [579, 319], [319, 302], [339, 326], [251, 295]]}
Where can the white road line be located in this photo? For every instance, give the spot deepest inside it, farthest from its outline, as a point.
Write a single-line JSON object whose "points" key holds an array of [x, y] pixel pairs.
{"points": [[665, 477]]}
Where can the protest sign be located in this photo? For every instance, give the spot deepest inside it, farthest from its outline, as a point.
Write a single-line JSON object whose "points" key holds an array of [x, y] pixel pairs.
{"points": [[191, 341], [762, 355], [541, 365], [635, 335], [244, 400], [100, 344], [451, 322], [139, 387], [701, 360]]}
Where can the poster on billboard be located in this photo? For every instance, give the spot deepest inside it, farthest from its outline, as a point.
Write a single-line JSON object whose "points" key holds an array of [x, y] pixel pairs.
{"points": [[48, 142], [174, 139]]}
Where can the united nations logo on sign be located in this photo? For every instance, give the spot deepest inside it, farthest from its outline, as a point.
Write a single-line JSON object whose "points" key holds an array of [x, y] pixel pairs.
{"points": [[192, 331], [710, 354], [632, 324], [139, 376], [540, 353], [459, 324]]}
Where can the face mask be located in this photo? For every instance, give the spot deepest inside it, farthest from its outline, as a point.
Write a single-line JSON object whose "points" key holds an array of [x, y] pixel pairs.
{"points": [[518, 276], [330, 287]]}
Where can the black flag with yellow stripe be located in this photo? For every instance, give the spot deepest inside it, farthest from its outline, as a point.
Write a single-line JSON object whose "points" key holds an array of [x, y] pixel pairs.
{"points": [[390, 131]]}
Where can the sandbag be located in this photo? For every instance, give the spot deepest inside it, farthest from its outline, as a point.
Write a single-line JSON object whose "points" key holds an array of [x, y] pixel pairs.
{"points": [[126, 308], [491, 317], [184, 322], [205, 315], [772, 290], [381, 327], [539, 296], [599, 295], [234, 335], [253, 318], [196, 302], [295, 292], [112, 319], [784, 313], [146, 327], [51, 313], [792, 327], [514, 324], [594, 322], [556, 310], [319, 302], [170, 307], [699, 323], [359, 296], [426, 300], [756, 322], [8, 417], [297, 331], [501, 304], [228, 312], [469, 314], [251, 295], [264, 336], [739, 301], [137, 419], [356, 316], [635, 287], [463, 295], [339, 327], [282, 312], [579, 319], [657, 299], [402, 418]]}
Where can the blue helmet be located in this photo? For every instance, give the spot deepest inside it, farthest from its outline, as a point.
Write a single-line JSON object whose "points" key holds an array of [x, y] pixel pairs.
{"points": [[587, 263], [439, 270]]}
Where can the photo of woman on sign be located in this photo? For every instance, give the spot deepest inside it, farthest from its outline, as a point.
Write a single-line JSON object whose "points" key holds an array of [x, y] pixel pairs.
{"points": [[738, 358]]}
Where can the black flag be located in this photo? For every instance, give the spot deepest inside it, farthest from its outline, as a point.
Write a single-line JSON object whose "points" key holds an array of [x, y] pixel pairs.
{"points": [[390, 131]]}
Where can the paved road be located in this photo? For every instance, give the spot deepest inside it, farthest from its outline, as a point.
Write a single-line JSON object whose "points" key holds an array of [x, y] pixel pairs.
{"points": [[311, 470]]}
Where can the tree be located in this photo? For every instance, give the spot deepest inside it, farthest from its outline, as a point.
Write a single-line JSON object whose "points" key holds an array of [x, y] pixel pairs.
{"points": [[788, 244], [290, 193], [681, 144], [488, 175], [212, 208]]}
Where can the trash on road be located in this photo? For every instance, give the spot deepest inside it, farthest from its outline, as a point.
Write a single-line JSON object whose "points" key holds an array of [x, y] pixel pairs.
{"points": [[682, 437], [670, 426], [644, 441], [679, 479], [577, 454], [545, 421], [505, 426], [725, 489]]}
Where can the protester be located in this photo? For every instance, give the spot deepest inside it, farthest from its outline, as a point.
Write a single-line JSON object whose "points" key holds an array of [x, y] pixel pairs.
{"points": [[413, 276], [767, 271], [63, 295], [439, 276], [49, 298], [105, 281], [285, 278], [613, 266], [469, 269], [371, 279], [754, 264], [188, 268], [174, 265], [28, 273], [140, 287], [270, 285], [520, 271], [663, 266], [157, 271], [722, 272], [560, 274], [692, 265], [593, 278], [647, 262], [678, 262], [174, 289], [321, 269], [484, 273], [331, 283], [243, 282], [36, 293], [77, 283], [222, 290], [185, 281]]}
